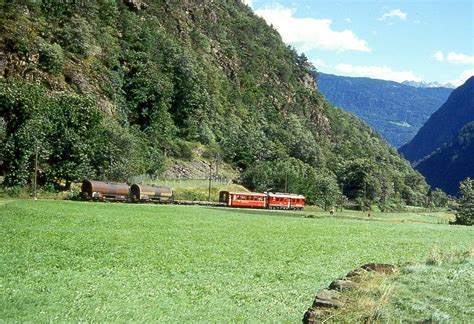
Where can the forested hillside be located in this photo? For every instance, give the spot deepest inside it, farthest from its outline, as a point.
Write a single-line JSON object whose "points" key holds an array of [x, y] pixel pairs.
{"points": [[444, 125], [396, 111], [446, 167], [112, 89]]}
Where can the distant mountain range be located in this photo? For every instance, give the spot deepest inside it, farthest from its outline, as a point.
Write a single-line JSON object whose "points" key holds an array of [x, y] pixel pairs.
{"points": [[443, 149], [394, 110], [423, 84]]}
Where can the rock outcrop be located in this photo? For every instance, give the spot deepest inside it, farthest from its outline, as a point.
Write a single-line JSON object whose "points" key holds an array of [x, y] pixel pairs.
{"points": [[328, 300]]}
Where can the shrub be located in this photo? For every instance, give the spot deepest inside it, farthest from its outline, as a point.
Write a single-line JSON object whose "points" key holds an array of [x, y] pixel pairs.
{"points": [[51, 58]]}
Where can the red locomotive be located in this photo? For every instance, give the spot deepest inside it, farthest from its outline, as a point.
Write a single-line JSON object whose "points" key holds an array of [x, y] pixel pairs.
{"points": [[266, 200]]}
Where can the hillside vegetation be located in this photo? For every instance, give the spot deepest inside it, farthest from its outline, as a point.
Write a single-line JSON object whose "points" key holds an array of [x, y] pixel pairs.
{"points": [[444, 125], [446, 167], [114, 89], [396, 111], [443, 149]]}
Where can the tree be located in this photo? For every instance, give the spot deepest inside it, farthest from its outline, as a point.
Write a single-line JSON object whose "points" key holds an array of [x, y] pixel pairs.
{"points": [[465, 212], [439, 198], [326, 190]]}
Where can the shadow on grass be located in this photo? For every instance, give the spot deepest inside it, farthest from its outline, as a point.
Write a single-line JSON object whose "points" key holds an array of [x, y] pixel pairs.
{"points": [[264, 212], [294, 214]]}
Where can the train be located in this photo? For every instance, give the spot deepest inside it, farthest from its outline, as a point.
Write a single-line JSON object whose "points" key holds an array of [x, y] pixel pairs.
{"points": [[118, 191], [266, 200]]}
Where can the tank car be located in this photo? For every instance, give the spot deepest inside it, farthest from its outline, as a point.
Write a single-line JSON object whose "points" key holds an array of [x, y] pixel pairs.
{"points": [[144, 193], [100, 190]]}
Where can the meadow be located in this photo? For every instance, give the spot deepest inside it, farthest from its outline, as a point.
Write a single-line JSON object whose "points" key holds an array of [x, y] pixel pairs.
{"points": [[81, 261]]}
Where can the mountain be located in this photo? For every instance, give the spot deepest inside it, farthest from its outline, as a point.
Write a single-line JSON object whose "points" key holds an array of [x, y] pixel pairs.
{"points": [[394, 110], [444, 124], [451, 163], [423, 84], [116, 89]]}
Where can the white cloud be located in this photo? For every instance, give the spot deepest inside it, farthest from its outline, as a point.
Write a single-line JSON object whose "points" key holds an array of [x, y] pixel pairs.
{"points": [[395, 13], [318, 63], [377, 72], [439, 56], [309, 33], [463, 77], [348, 20], [460, 58], [451, 57]]}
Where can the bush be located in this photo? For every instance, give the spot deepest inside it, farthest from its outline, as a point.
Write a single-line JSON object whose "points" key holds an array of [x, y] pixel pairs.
{"points": [[77, 37], [51, 58]]}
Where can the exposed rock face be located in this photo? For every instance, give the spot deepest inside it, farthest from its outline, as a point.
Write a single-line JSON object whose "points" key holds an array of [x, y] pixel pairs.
{"points": [[327, 300], [136, 5], [328, 294], [341, 285], [380, 267], [356, 272]]}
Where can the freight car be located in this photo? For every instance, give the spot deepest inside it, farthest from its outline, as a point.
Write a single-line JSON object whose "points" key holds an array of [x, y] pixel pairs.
{"points": [[144, 193], [115, 191], [100, 190], [266, 200]]}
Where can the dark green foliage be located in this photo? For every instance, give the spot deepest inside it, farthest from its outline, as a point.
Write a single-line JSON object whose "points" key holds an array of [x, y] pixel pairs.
{"points": [[395, 110], [76, 36], [71, 136], [51, 58], [127, 89], [439, 198], [465, 213], [292, 175]]}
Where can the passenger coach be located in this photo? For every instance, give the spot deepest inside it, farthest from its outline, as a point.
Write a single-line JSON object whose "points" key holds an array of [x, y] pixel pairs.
{"points": [[266, 200], [243, 199]]}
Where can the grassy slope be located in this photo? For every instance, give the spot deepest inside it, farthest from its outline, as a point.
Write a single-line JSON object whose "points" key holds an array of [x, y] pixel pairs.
{"points": [[438, 290], [88, 261], [442, 289]]}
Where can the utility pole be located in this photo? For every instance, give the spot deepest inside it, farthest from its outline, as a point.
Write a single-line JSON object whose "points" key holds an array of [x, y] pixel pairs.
{"points": [[286, 181], [365, 195], [341, 201], [36, 169], [210, 176]]}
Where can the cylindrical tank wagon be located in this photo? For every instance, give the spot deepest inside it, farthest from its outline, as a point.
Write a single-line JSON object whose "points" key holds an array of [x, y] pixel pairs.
{"points": [[116, 191], [140, 193], [100, 190]]}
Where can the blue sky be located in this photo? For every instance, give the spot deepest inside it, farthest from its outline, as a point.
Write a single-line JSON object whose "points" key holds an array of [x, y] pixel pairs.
{"points": [[420, 40]]}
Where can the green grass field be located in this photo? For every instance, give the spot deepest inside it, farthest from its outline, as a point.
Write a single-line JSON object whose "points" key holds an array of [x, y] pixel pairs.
{"points": [[79, 261]]}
